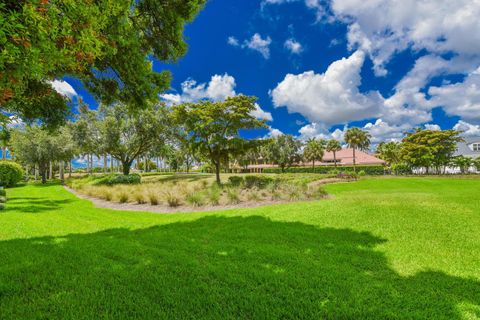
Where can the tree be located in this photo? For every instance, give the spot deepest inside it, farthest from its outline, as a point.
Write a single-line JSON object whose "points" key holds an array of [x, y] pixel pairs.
{"points": [[334, 146], [284, 151], [5, 136], [128, 135], [390, 152], [313, 151], [213, 128], [430, 148], [357, 139], [38, 147], [108, 45], [476, 164], [463, 163]]}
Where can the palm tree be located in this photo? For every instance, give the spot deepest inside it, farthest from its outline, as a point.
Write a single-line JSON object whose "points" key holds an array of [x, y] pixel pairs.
{"points": [[334, 146], [313, 151], [357, 139]]}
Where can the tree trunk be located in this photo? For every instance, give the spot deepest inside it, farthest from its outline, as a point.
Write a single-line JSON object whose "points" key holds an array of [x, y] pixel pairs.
{"points": [[313, 165], [217, 172], [354, 162], [70, 169], [50, 171], [44, 172], [335, 159], [36, 172], [61, 171], [4, 152], [111, 164], [105, 163], [126, 168]]}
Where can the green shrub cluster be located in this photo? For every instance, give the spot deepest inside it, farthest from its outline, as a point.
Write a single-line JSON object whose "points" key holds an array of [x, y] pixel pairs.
{"points": [[113, 179], [236, 181], [259, 182], [10, 173], [370, 170], [401, 169]]}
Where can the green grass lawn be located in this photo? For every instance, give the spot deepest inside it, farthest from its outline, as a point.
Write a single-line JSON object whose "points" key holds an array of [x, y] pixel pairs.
{"points": [[378, 248]]}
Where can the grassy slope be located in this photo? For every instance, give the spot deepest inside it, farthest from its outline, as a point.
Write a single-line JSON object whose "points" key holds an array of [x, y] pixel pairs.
{"points": [[380, 248]]}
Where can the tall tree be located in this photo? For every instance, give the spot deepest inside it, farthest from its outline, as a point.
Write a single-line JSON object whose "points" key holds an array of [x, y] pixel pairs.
{"points": [[129, 135], [213, 128], [430, 148], [38, 147], [334, 146], [357, 139], [389, 151], [463, 163], [106, 44], [284, 151], [313, 150]]}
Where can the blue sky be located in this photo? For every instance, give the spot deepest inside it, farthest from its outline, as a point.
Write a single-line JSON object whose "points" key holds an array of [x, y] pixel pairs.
{"points": [[319, 66]]}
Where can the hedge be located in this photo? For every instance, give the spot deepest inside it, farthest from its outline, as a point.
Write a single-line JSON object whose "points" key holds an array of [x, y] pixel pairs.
{"points": [[370, 170], [10, 173], [112, 179]]}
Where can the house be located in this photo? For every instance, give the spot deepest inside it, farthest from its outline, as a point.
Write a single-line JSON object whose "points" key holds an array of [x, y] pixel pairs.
{"points": [[469, 148], [343, 157]]}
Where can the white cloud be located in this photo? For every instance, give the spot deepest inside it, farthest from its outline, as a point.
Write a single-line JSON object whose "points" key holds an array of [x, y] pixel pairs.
{"points": [[431, 126], [272, 133], [293, 46], [462, 99], [219, 88], [256, 43], [64, 88], [259, 113], [329, 98], [468, 129], [233, 41]]}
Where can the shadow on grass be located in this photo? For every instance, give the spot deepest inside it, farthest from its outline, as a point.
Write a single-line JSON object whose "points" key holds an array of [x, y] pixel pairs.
{"points": [[34, 204], [218, 267]]}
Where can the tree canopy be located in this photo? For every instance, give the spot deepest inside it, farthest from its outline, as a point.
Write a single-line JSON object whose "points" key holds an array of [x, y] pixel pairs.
{"points": [[314, 150], [357, 139], [284, 151], [106, 44], [213, 128]]}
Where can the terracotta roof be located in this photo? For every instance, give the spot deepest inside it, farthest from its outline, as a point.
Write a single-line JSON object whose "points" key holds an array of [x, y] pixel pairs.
{"points": [[344, 157]]}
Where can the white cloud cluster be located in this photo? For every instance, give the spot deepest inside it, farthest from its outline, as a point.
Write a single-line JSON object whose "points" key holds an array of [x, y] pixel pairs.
{"points": [[64, 88], [218, 88], [468, 129], [293, 46], [255, 43], [329, 98]]}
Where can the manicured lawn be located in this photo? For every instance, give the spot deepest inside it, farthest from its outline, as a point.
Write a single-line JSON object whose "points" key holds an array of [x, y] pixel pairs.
{"points": [[379, 248]]}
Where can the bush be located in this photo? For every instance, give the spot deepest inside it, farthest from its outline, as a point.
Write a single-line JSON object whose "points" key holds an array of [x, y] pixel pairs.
{"points": [[214, 195], [153, 198], [235, 181], [362, 173], [2, 206], [10, 173], [233, 196], [401, 169], [2, 192], [195, 199], [259, 182], [113, 179], [172, 199], [123, 197], [370, 170]]}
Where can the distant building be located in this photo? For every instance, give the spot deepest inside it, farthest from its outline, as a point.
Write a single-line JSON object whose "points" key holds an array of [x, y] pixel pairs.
{"points": [[469, 148], [344, 157]]}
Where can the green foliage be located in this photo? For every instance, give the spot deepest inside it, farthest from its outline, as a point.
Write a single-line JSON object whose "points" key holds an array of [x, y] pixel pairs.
{"points": [[195, 199], [173, 200], [314, 150], [2, 206], [260, 182], [333, 146], [357, 139], [390, 152], [233, 195], [10, 173], [463, 163], [362, 173], [370, 170], [476, 163], [283, 151], [430, 148], [106, 44], [235, 181], [212, 128], [401, 169], [113, 179], [3, 192]]}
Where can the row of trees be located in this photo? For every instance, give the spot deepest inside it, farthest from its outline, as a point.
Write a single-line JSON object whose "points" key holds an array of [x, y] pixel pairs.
{"points": [[429, 150]]}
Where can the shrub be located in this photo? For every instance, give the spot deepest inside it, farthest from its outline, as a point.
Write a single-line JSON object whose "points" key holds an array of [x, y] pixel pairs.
{"points": [[3, 192], [3, 199], [108, 196], [260, 182], [153, 198], [10, 173], [254, 195], [195, 199], [113, 179], [172, 199], [362, 173], [2, 206], [235, 181], [401, 169], [123, 197], [233, 196], [139, 198], [370, 170], [213, 195]]}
